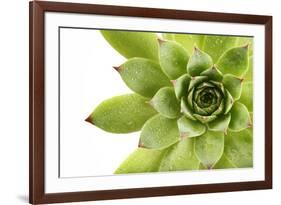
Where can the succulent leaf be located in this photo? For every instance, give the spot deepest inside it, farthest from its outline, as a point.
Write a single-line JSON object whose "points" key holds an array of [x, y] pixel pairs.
{"points": [[204, 109], [220, 108], [239, 148], [190, 98], [122, 114], [166, 103], [215, 46], [143, 76], [234, 61], [190, 128], [240, 117], [233, 84], [224, 163], [220, 124], [199, 110], [249, 74], [209, 148], [202, 167], [205, 119], [140, 161], [181, 86], [229, 101], [187, 111], [188, 41], [180, 157], [247, 95], [159, 132], [173, 58], [196, 80], [241, 41], [133, 44], [168, 36], [198, 62], [213, 74], [219, 85]]}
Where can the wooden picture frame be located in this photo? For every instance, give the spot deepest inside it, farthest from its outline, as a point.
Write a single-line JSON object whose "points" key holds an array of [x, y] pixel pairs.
{"points": [[37, 194]]}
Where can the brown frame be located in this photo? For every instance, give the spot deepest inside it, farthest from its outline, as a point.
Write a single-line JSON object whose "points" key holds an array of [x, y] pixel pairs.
{"points": [[36, 74]]}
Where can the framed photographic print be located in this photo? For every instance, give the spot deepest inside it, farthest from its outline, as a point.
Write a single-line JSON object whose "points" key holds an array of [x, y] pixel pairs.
{"points": [[140, 102]]}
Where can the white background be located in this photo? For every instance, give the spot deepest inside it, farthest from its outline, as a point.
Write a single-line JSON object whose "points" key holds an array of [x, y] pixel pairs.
{"points": [[85, 149], [14, 100]]}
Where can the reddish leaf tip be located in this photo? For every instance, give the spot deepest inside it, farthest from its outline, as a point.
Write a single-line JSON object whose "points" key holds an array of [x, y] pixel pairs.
{"points": [[246, 46], [141, 145], [150, 102], [249, 125], [225, 131], [196, 49], [117, 68], [209, 167], [160, 41], [89, 119], [173, 82], [183, 135], [214, 67]]}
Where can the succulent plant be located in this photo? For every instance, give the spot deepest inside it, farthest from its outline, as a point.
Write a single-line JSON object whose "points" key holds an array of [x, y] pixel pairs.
{"points": [[192, 101]]}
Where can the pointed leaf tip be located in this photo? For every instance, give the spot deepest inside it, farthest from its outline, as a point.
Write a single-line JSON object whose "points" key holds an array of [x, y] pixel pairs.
{"points": [[198, 62], [89, 119], [209, 148], [213, 73], [160, 41], [140, 144], [117, 68], [216, 45], [150, 102], [173, 58], [140, 75], [234, 61], [133, 44], [246, 46], [183, 135], [122, 114], [250, 124], [174, 82]]}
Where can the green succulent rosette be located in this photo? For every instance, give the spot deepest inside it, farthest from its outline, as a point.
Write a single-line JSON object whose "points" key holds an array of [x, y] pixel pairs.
{"points": [[192, 101]]}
